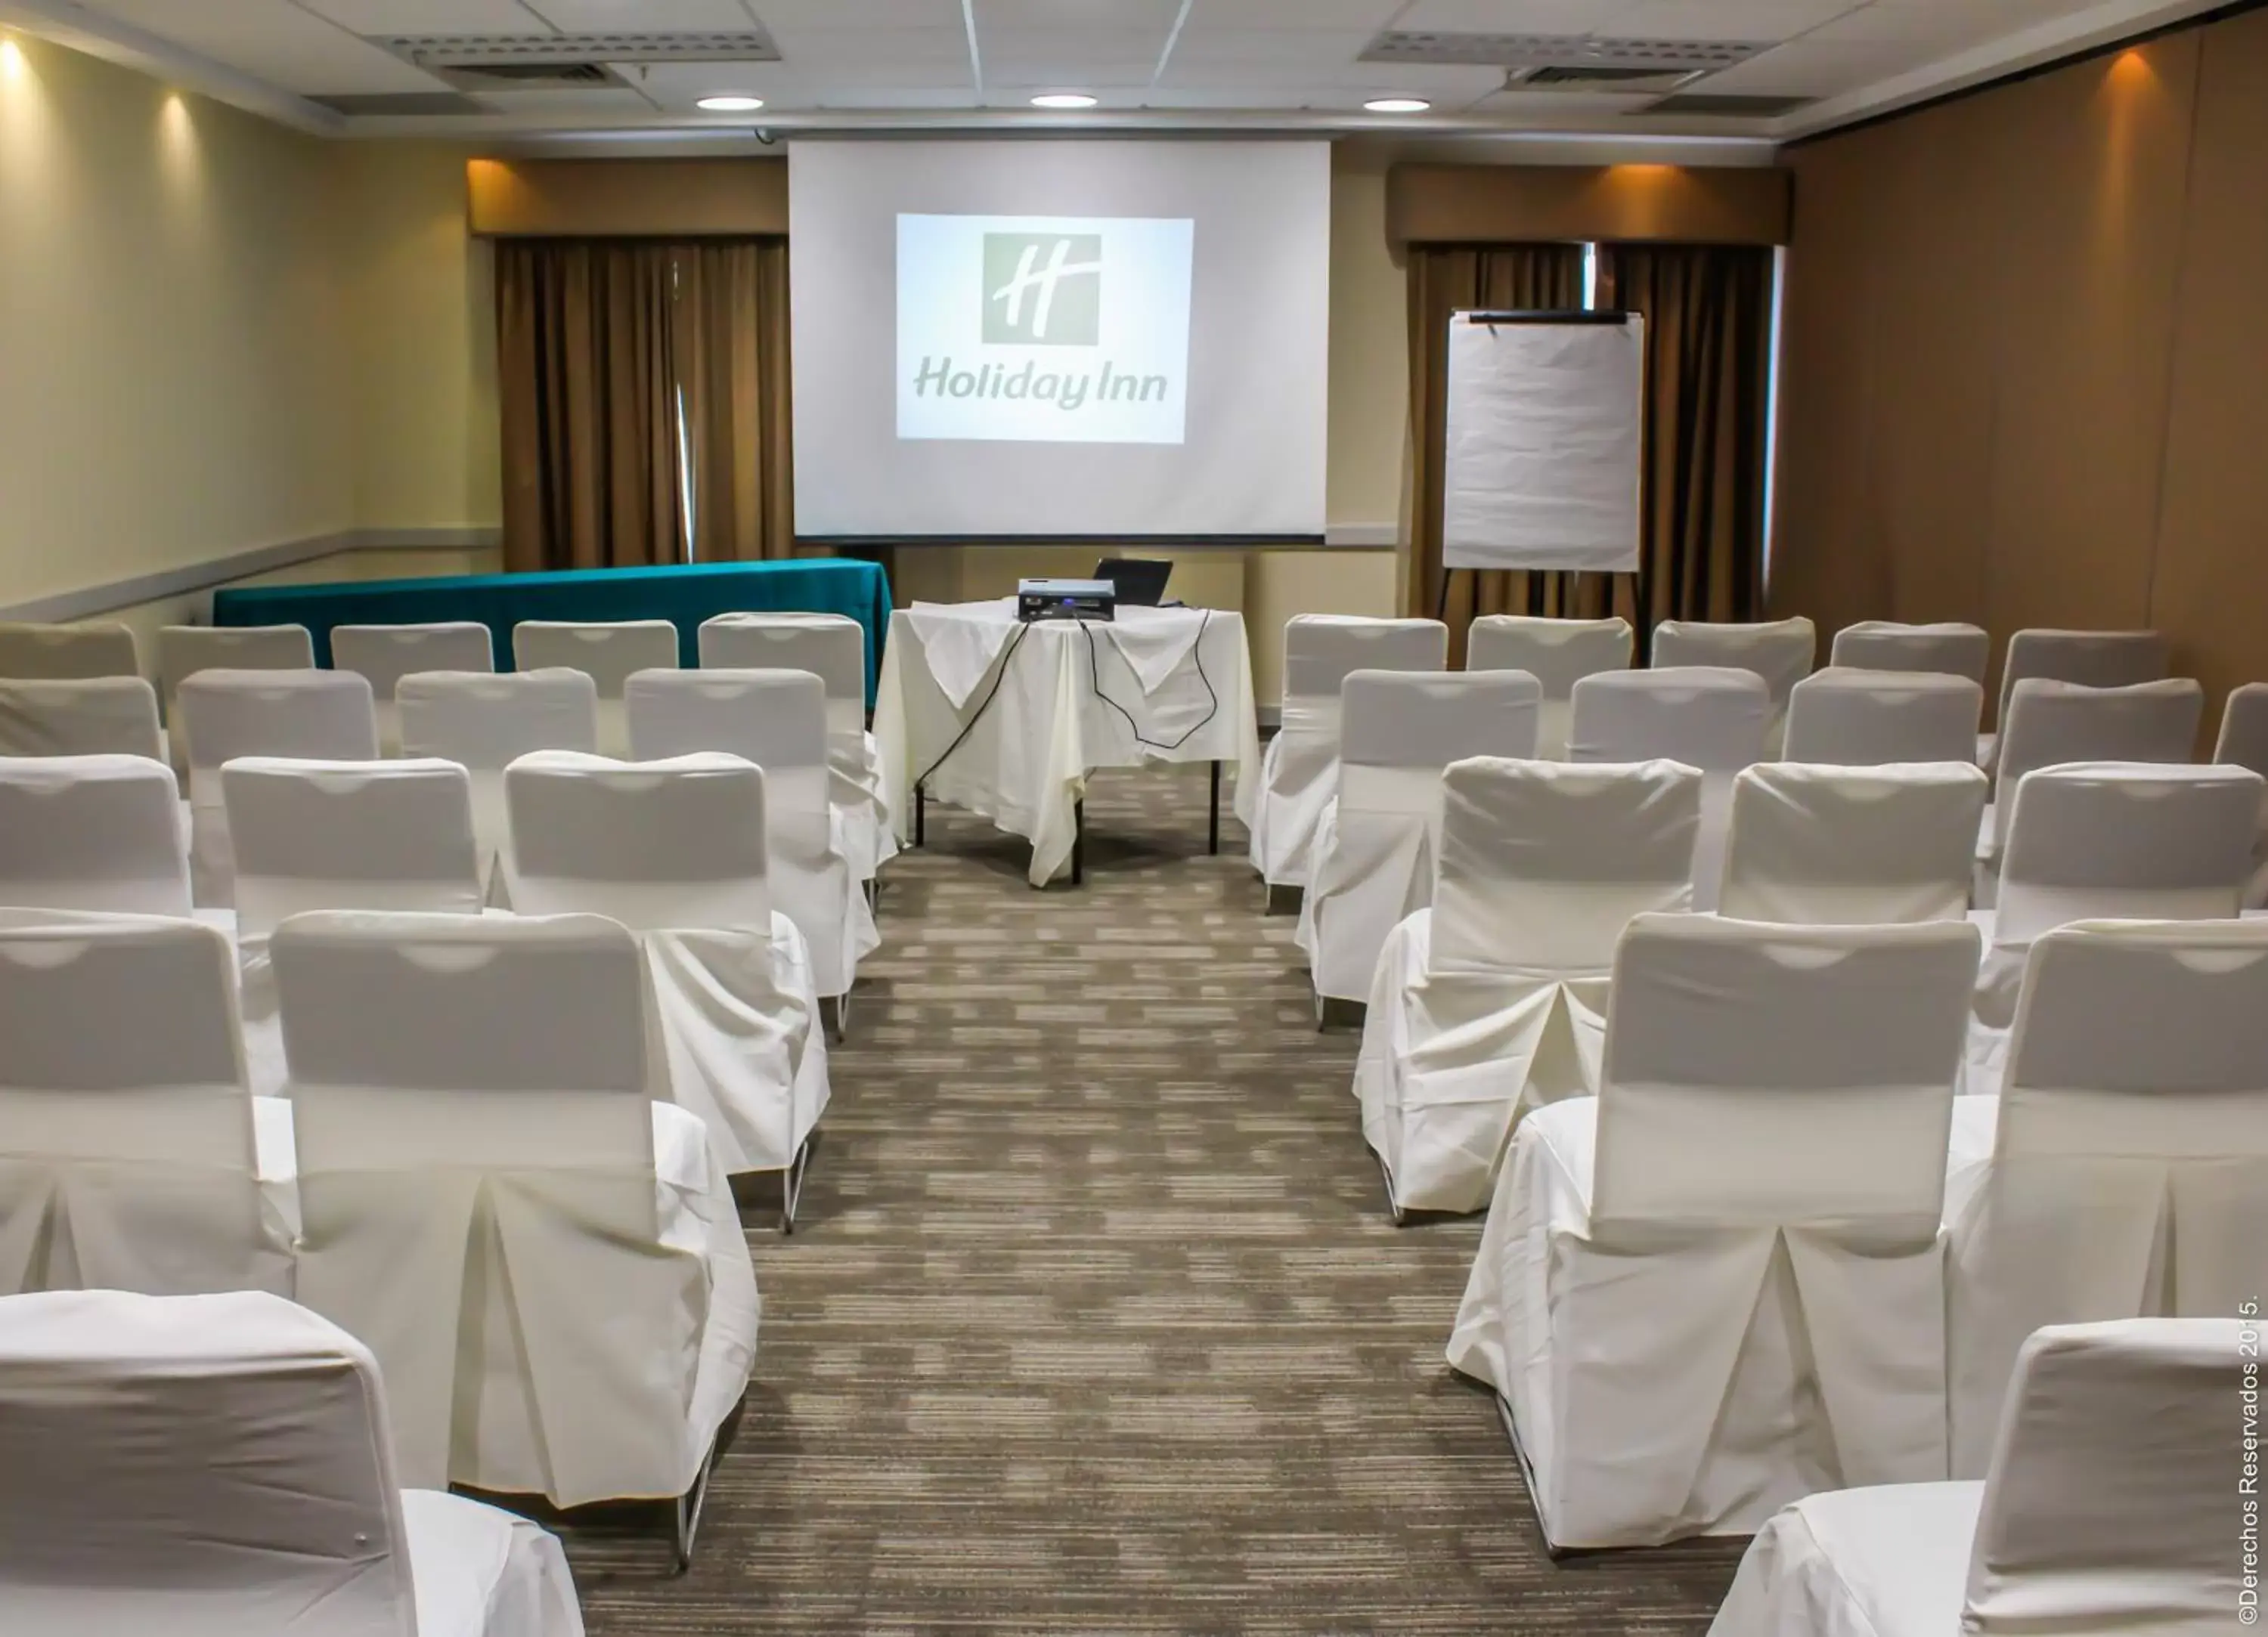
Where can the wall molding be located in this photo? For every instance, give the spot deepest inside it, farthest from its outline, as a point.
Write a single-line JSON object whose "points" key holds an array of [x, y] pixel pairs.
{"points": [[190, 578]]}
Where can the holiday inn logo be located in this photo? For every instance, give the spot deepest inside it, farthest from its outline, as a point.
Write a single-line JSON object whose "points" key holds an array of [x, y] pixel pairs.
{"points": [[1043, 289]]}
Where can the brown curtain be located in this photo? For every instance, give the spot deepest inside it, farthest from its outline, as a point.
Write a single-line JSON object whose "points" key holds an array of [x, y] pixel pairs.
{"points": [[596, 341], [587, 383], [1444, 278], [1708, 370], [733, 362]]}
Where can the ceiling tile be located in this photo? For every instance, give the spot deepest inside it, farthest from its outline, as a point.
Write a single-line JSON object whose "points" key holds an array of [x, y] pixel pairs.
{"points": [[821, 47], [1292, 16], [609, 99], [1725, 19], [1220, 46], [1803, 67], [1076, 14], [1514, 17], [680, 86], [276, 41], [856, 14], [654, 17], [418, 17]]}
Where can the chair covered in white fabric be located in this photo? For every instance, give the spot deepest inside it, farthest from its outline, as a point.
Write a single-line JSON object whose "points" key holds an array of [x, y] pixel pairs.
{"points": [[1948, 648], [609, 652], [1298, 773], [2244, 743], [222, 1467], [485, 724], [184, 649], [129, 1153], [1781, 651], [2107, 840], [64, 653], [85, 717], [2106, 1507], [1494, 1000], [388, 835], [1376, 842], [833, 648], [310, 715], [385, 654], [676, 851], [1719, 1285], [541, 1251], [91, 833], [1827, 846], [2049, 724], [776, 719], [2116, 1175], [1864, 718], [2090, 658], [1710, 717], [1557, 653]]}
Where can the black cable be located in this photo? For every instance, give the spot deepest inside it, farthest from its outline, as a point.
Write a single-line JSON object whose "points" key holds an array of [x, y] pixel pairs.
{"points": [[977, 716], [1094, 675]]}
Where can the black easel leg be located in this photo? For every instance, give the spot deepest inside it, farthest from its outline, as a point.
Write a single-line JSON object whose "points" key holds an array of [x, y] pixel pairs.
{"points": [[1078, 843], [921, 813], [1212, 825]]}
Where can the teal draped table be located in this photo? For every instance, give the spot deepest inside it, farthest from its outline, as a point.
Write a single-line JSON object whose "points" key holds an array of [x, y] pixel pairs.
{"points": [[682, 593]]}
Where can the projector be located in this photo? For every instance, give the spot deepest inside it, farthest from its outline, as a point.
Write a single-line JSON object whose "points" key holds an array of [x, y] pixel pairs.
{"points": [[1065, 599]]}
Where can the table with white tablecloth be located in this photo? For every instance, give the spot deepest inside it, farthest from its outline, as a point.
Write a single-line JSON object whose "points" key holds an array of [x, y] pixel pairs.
{"points": [[1007, 719]]}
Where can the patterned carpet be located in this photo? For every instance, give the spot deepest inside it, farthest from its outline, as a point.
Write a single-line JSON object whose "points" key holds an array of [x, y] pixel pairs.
{"points": [[1093, 1321]]}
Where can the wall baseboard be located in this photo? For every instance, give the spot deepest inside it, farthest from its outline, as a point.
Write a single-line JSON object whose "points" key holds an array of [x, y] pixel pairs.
{"points": [[198, 576]]}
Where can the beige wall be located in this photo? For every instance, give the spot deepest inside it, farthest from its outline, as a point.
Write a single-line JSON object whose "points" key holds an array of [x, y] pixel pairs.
{"points": [[172, 328], [2023, 353]]}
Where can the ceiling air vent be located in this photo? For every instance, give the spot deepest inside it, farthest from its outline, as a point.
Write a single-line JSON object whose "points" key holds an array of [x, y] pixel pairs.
{"points": [[505, 76], [1569, 61], [400, 104], [491, 53]]}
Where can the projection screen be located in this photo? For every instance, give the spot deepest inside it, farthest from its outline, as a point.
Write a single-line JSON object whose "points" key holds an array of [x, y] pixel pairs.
{"points": [[1058, 339]]}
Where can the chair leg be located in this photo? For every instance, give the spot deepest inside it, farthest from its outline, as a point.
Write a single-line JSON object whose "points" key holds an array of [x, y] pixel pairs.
{"points": [[1557, 1553], [1386, 1178], [921, 813], [686, 1513], [835, 1016], [1212, 823], [792, 1187], [1079, 843]]}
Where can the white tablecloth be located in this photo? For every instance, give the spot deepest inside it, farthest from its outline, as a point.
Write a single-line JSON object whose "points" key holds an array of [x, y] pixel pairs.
{"points": [[1024, 764]]}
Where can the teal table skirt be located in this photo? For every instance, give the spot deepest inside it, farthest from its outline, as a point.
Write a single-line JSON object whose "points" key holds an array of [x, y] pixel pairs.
{"points": [[682, 593]]}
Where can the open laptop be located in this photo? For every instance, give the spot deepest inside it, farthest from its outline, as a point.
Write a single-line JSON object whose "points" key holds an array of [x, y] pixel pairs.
{"points": [[1141, 581]]}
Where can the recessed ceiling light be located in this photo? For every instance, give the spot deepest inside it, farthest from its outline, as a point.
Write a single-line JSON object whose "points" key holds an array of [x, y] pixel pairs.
{"points": [[734, 104], [1398, 104], [1064, 100]]}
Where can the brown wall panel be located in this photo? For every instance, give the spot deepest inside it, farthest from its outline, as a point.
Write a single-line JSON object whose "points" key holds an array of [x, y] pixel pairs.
{"points": [[627, 198], [1467, 204], [2211, 585], [2026, 357]]}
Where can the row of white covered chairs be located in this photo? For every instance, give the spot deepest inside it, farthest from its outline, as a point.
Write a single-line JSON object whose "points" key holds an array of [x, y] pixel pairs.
{"points": [[474, 1169], [2106, 1507], [1776, 1256], [1491, 1000], [679, 851], [223, 1465]]}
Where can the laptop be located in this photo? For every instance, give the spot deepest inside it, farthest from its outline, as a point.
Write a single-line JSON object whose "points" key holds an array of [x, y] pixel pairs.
{"points": [[1141, 581]]}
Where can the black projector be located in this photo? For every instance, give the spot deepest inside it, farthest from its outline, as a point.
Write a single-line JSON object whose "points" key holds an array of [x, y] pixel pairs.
{"points": [[1065, 599]]}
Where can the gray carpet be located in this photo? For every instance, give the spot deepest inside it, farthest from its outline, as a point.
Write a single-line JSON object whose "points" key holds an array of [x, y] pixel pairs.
{"points": [[1094, 1321]]}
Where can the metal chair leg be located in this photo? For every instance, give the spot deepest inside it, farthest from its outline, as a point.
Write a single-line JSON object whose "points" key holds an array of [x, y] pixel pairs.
{"points": [[1079, 843], [792, 1187], [835, 1016], [921, 813], [1212, 824], [686, 1514]]}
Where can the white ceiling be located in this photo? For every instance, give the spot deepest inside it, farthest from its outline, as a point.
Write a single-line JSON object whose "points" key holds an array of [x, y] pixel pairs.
{"points": [[1152, 63]]}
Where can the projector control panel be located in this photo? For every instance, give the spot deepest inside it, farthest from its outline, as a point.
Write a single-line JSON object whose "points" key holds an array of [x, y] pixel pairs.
{"points": [[1065, 599]]}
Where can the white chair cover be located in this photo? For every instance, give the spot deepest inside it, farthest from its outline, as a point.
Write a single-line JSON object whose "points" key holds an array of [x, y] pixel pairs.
{"points": [[833, 648], [222, 1467], [1377, 839], [2106, 1509], [2244, 743], [1781, 651], [675, 850], [1865, 718], [776, 719], [384, 653], [62, 653], [93, 717], [2050, 723], [1851, 846], [485, 723], [184, 649], [1298, 773], [91, 833], [386, 836], [2091, 658], [545, 1258], [610, 653], [2116, 1174], [1719, 1285], [1710, 717], [1557, 653], [1949, 648], [128, 1152], [315, 716], [1493, 1001]]}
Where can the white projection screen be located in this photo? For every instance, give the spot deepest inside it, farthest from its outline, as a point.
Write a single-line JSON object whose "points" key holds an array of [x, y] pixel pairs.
{"points": [[1059, 339]]}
